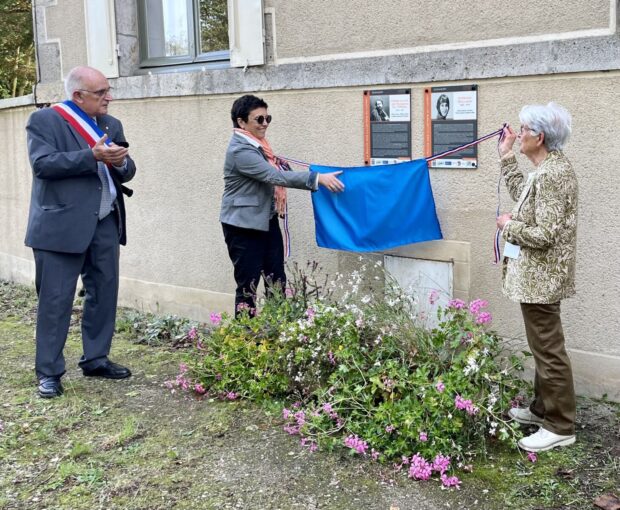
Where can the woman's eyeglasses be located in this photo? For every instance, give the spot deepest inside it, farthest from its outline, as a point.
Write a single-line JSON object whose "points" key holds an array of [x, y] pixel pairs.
{"points": [[262, 118]]}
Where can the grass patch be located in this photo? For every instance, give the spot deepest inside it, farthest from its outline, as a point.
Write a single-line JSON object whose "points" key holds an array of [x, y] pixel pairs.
{"points": [[133, 444]]}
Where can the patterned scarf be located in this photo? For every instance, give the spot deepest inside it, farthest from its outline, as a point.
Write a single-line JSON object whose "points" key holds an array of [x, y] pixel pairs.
{"points": [[274, 161]]}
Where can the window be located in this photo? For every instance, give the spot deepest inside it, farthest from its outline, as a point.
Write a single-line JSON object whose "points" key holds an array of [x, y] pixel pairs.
{"points": [[183, 31]]}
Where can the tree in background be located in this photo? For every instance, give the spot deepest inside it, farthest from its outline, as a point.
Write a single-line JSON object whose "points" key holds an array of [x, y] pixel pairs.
{"points": [[17, 60], [213, 25]]}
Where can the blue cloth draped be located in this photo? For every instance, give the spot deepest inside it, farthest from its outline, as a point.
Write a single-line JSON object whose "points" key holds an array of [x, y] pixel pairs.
{"points": [[381, 207]]}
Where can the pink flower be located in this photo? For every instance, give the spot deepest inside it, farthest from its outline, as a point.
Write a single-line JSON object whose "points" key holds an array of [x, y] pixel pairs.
{"points": [[216, 318], [242, 306], [182, 382], [433, 296], [465, 404], [357, 444], [199, 388], [231, 395], [450, 481], [192, 334], [440, 387], [314, 447], [327, 408], [456, 304], [476, 305], [310, 313], [441, 464], [423, 437], [532, 457], [484, 318], [374, 454], [288, 292], [419, 469], [359, 323], [330, 357], [285, 413], [182, 368], [389, 429], [300, 418], [291, 429]]}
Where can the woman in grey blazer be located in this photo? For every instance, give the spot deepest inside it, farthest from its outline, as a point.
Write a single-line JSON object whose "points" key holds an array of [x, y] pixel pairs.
{"points": [[254, 195]]}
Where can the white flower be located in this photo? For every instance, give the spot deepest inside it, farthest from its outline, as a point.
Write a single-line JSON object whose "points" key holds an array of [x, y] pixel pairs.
{"points": [[366, 299]]}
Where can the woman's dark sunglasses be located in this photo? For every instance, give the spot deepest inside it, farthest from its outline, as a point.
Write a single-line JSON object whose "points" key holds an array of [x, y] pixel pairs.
{"points": [[262, 118]]}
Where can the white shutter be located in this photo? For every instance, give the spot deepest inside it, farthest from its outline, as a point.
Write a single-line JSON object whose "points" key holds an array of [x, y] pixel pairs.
{"points": [[101, 36], [245, 32]]}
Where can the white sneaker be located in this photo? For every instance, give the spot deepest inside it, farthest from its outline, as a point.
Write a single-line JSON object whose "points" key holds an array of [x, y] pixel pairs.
{"points": [[544, 440], [524, 416]]}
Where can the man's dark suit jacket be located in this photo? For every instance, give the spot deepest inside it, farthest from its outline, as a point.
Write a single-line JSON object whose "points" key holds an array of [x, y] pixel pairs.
{"points": [[66, 189]]}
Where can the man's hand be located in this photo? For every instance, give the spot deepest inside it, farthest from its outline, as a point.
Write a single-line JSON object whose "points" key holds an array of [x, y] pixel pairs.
{"points": [[110, 154], [331, 182], [503, 219]]}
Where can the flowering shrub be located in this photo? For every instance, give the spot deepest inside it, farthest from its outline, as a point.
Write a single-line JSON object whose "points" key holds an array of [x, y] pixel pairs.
{"points": [[367, 376]]}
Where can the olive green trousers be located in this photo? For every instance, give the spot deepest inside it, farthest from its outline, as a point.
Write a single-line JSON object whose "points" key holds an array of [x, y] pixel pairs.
{"points": [[554, 394]]}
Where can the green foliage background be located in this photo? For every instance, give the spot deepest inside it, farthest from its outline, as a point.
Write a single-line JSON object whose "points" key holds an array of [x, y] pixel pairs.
{"points": [[17, 60]]}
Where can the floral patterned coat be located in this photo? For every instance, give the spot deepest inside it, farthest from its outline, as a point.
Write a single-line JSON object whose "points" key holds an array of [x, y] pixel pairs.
{"points": [[544, 225]]}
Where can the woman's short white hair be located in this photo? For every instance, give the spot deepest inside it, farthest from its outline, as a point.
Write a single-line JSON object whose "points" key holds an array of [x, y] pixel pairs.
{"points": [[551, 119]]}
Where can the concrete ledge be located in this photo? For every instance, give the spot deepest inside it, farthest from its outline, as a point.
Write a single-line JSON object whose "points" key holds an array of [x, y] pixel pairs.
{"points": [[160, 298], [575, 55], [15, 102], [16, 269], [594, 374]]}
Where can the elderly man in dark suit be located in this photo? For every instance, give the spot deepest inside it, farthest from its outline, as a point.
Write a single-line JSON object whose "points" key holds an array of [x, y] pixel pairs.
{"points": [[79, 160]]}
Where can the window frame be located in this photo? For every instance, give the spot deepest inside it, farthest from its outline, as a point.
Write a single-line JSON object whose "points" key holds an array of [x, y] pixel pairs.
{"points": [[216, 59]]}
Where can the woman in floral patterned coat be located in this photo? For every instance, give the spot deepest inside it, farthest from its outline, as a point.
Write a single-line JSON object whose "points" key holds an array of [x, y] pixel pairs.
{"points": [[539, 264]]}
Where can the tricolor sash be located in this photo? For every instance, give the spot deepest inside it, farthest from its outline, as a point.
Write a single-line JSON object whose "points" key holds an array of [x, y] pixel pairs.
{"points": [[90, 132], [81, 122]]}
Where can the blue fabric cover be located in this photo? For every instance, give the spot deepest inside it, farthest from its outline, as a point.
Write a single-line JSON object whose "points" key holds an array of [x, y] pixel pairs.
{"points": [[381, 207]]}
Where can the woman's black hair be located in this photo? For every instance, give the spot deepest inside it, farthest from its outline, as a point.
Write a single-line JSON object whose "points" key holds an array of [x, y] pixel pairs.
{"points": [[242, 107], [443, 99]]}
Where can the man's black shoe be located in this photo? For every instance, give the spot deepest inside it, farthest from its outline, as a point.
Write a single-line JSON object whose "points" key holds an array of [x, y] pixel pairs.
{"points": [[108, 370], [50, 387]]}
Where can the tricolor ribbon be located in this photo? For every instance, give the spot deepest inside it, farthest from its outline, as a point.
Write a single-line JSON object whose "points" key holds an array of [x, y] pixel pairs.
{"points": [[498, 233]]}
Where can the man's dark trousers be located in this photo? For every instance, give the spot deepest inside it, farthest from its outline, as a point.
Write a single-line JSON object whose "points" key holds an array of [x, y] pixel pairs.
{"points": [[56, 280]]}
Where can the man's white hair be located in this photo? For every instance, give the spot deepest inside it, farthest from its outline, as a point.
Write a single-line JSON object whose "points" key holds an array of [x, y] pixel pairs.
{"points": [[74, 81], [551, 119]]}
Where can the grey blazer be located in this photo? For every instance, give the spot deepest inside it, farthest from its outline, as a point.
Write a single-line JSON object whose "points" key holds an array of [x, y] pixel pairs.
{"points": [[66, 189], [249, 180]]}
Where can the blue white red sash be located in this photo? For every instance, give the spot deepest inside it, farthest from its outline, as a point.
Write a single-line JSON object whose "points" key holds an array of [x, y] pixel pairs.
{"points": [[86, 127], [82, 123]]}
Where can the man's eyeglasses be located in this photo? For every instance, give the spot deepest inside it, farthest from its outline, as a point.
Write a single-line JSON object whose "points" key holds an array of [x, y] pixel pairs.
{"points": [[262, 118], [99, 93]]}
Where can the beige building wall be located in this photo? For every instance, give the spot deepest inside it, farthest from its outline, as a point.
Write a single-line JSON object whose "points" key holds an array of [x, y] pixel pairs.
{"points": [[361, 26], [178, 126]]}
